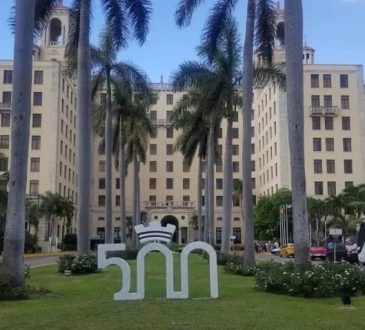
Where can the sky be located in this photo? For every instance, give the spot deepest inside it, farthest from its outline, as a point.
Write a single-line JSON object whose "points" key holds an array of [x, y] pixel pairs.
{"points": [[334, 28]]}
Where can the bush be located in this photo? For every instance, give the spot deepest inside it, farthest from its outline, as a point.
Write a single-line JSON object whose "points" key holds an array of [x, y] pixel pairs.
{"points": [[239, 269], [83, 264], [223, 258], [326, 280], [9, 293], [176, 247], [31, 243], [69, 243]]}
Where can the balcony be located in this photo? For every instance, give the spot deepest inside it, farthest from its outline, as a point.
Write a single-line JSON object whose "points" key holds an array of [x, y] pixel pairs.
{"points": [[323, 111], [169, 205], [5, 106], [161, 122]]}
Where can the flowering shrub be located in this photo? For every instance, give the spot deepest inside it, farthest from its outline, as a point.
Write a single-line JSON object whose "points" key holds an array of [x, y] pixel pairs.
{"points": [[239, 269], [326, 280], [78, 265]]}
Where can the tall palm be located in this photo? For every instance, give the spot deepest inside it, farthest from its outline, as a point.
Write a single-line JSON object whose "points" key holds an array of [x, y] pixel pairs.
{"points": [[294, 73], [126, 19], [27, 21], [138, 128], [216, 23], [193, 139], [106, 66]]}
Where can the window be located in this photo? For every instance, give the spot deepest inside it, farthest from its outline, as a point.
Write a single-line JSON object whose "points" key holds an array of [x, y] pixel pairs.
{"points": [[331, 166], [37, 98], [102, 183], [37, 120], [318, 188], [315, 102], [153, 149], [38, 77], [344, 81], [252, 148], [169, 115], [327, 81], [186, 167], [153, 133], [117, 183], [169, 183], [153, 183], [186, 183], [219, 201], [101, 200], [237, 233], [346, 123], [34, 187], [117, 200], [345, 102], [34, 164], [314, 80], [317, 165], [36, 142], [347, 144], [117, 231], [169, 149], [220, 133], [328, 123], [153, 115], [317, 144], [235, 116], [348, 184], [101, 166], [235, 150], [3, 164], [347, 166], [327, 100], [153, 166], [169, 166], [331, 188], [236, 167], [219, 183], [7, 97], [5, 120], [253, 166], [330, 144], [100, 232], [218, 235], [169, 99], [219, 167], [4, 141], [8, 77], [316, 123], [235, 133], [169, 132]]}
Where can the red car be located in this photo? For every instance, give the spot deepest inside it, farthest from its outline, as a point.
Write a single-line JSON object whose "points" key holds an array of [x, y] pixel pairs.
{"points": [[318, 252]]}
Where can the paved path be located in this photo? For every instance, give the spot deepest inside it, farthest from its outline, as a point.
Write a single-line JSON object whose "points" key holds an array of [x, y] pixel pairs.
{"points": [[36, 261]]}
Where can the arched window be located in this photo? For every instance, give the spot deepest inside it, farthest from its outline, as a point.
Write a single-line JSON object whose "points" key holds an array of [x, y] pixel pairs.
{"points": [[280, 34]]}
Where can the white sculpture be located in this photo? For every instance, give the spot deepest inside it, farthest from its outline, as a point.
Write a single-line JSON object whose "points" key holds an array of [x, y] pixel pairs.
{"points": [[156, 233]]}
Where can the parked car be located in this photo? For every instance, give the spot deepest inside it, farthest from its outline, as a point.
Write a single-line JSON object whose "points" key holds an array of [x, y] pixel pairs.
{"points": [[318, 252], [275, 251], [287, 250], [341, 251]]}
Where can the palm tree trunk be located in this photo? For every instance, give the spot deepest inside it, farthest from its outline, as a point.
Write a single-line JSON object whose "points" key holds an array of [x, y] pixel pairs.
{"points": [[123, 229], [227, 189], [83, 130], [294, 75], [108, 164], [200, 213], [249, 251], [210, 192], [12, 269], [206, 210], [135, 199]]}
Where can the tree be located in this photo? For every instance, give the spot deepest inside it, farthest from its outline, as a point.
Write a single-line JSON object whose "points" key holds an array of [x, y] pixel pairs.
{"points": [[294, 74], [106, 66], [27, 21], [32, 214], [125, 19], [219, 17]]}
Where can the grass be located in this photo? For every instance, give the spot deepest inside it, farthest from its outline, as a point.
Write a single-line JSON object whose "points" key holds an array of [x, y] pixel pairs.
{"points": [[86, 302]]}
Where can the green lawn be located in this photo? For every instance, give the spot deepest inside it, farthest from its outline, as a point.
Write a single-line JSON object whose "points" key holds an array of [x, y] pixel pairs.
{"points": [[86, 302]]}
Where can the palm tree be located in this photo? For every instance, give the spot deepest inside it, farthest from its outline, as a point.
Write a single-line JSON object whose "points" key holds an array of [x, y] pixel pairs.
{"points": [[106, 66], [32, 215], [27, 21], [294, 73], [125, 19], [138, 128], [220, 14]]}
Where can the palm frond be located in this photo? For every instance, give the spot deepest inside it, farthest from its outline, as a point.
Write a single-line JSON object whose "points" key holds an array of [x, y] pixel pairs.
{"points": [[139, 13], [97, 82], [274, 74], [185, 10], [73, 38]]}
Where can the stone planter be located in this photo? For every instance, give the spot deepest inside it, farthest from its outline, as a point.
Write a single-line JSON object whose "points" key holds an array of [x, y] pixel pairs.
{"points": [[67, 272]]}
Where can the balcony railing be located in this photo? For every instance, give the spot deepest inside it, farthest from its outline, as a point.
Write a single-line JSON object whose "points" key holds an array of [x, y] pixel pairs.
{"points": [[168, 205], [161, 122], [5, 106], [323, 111]]}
